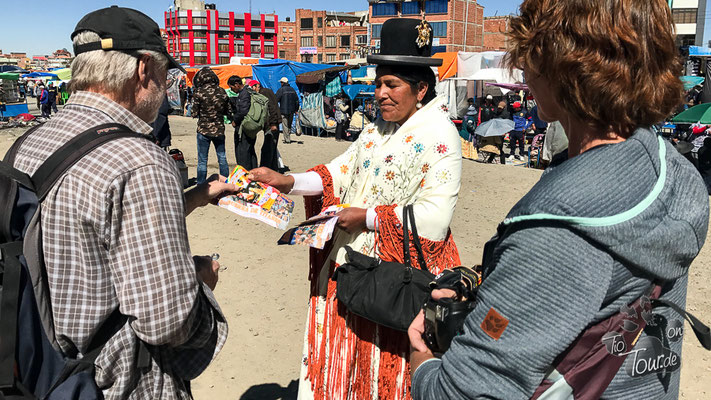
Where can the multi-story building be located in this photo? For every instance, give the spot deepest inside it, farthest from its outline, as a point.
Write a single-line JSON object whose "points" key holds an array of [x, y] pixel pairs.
{"points": [[689, 19], [495, 29], [288, 40], [198, 34], [458, 25], [327, 36]]}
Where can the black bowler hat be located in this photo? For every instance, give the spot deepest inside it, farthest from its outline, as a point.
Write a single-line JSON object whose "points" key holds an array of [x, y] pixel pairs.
{"points": [[122, 29], [405, 41]]}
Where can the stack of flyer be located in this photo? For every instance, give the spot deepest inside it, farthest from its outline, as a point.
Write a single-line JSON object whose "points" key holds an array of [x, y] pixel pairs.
{"points": [[315, 231], [257, 200]]}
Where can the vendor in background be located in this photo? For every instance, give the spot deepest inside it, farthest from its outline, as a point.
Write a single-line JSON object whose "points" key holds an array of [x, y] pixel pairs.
{"points": [[340, 112], [487, 110]]}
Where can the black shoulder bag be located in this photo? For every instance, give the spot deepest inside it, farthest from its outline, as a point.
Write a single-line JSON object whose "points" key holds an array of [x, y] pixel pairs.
{"points": [[387, 293]]}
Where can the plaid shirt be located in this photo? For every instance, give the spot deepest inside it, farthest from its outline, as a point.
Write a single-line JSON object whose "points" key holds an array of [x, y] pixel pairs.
{"points": [[114, 235]]}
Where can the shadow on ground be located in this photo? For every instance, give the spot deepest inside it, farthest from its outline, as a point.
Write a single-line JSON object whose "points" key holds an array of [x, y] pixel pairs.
{"points": [[272, 391]]}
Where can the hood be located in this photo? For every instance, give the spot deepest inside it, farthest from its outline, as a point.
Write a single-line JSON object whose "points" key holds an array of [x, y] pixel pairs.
{"points": [[638, 200], [205, 77]]}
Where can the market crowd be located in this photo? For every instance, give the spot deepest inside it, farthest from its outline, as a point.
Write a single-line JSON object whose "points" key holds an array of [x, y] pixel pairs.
{"points": [[574, 291]]}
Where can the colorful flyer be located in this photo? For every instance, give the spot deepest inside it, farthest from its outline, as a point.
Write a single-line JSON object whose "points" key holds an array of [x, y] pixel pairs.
{"points": [[258, 201], [315, 231]]}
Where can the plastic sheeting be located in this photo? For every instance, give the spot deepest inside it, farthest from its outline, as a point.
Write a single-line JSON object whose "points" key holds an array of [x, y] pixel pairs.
{"points": [[469, 64], [269, 72], [353, 90], [224, 72], [311, 114], [449, 64], [455, 93]]}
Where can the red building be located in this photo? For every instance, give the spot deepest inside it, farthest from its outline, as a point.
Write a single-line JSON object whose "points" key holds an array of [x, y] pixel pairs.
{"points": [[199, 37]]}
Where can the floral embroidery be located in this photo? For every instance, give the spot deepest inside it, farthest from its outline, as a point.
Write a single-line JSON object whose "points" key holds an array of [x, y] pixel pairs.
{"points": [[369, 144], [375, 190], [444, 108], [389, 159], [371, 129], [442, 148], [377, 171], [444, 176], [344, 169], [425, 168], [409, 139], [419, 148], [390, 175], [422, 183], [366, 164], [357, 170]]}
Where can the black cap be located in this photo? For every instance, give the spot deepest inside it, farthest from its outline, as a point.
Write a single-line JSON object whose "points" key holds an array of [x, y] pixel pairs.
{"points": [[405, 41], [122, 29]]}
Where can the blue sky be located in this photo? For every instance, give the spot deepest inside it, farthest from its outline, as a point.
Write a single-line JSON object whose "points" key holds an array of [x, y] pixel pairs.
{"points": [[42, 26]]}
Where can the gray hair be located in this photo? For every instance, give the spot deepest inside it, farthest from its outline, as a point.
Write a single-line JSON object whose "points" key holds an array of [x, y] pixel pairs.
{"points": [[110, 70]]}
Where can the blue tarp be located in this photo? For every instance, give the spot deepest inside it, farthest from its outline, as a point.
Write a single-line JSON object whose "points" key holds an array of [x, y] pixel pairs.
{"points": [[696, 51], [691, 81], [40, 75], [268, 72], [353, 90], [361, 72]]}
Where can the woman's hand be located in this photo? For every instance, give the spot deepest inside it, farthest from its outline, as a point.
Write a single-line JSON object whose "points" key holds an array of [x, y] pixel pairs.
{"points": [[352, 219], [283, 183]]}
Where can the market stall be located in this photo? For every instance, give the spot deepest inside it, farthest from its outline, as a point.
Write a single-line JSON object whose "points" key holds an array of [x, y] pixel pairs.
{"points": [[10, 103]]}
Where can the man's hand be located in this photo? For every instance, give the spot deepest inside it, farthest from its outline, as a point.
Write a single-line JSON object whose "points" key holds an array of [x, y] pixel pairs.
{"points": [[274, 128], [283, 183], [208, 192], [207, 270], [352, 219]]}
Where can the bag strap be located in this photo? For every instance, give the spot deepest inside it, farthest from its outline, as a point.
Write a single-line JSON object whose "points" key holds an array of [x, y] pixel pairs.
{"points": [[9, 302], [409, 215], [74, 150], [702, 332]]}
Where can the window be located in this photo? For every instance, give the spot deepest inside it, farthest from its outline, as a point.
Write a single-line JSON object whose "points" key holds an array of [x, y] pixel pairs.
{"points": [[307, 58], [345, 56], [331, 41], [238, 35], [223, 21], [224, 60], [269, 24], [320, 58], [361, 39], [439, 29], [254, 35], [283, 30], [291, 30], [307, 23], [319, 23], [330, 57], [200, 34], [307, 41], [268, 36], [319, 41], [200, 60], [376, 30], [380, 9], [239, 22], [256, 48], [185, 46], [684, 15], [268, 49], [411, 8], [282, 54], [185, 60], [182, 20], [291, 39], [256, 22], [345, 41], [223, 47], [199, 46], [223, 35], [436, 6], [240, 48], [199, 20]]}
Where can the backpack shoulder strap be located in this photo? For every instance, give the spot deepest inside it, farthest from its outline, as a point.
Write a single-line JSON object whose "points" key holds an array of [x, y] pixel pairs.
{"points": [[74, 150]]}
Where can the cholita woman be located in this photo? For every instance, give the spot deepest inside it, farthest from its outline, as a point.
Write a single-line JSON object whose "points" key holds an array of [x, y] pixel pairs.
{"points": [[411, 155]]}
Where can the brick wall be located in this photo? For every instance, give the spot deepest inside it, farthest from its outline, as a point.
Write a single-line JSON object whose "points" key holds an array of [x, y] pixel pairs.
{"points": [[495, 29], [323, 38], [288, 47]]}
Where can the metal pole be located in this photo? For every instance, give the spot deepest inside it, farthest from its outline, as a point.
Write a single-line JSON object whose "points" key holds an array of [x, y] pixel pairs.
{"points": [[466, 24]]}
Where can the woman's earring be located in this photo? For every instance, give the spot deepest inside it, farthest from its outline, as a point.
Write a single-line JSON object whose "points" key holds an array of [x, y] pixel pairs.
{"points": [[419, 105]]}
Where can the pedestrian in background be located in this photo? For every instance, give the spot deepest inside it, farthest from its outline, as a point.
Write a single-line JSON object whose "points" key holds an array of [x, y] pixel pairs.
{"points": [[239, 107], [210, 105], [288, 105], [52, 99], [43, 101], [269, 156]]}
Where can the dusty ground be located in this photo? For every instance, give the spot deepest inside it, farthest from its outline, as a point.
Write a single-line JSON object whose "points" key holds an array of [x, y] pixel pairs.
{"points": [[264, 290]]}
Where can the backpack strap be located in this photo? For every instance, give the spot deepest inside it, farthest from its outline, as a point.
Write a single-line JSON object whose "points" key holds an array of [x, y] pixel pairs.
{"points": [[74, 150]]}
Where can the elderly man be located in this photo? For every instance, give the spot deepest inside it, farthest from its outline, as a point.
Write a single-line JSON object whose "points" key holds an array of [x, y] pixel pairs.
{"points": [[114, 234]]}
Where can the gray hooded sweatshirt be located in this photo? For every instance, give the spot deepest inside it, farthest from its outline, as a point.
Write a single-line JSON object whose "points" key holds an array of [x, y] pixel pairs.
{"points": [[587, 239]]}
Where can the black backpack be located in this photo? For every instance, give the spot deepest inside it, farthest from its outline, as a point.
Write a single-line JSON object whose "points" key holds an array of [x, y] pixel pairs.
{"points": [[32, 365]]}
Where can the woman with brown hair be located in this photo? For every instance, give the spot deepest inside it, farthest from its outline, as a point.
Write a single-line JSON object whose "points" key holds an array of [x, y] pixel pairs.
{"points": [[564, 310]]}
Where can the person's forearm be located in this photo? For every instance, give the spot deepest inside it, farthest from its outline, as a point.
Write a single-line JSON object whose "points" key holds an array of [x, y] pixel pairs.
{"points": [[193, 200]]}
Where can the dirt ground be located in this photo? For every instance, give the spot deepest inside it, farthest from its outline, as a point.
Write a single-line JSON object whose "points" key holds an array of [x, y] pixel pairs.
{"points": [[263, 292]]}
